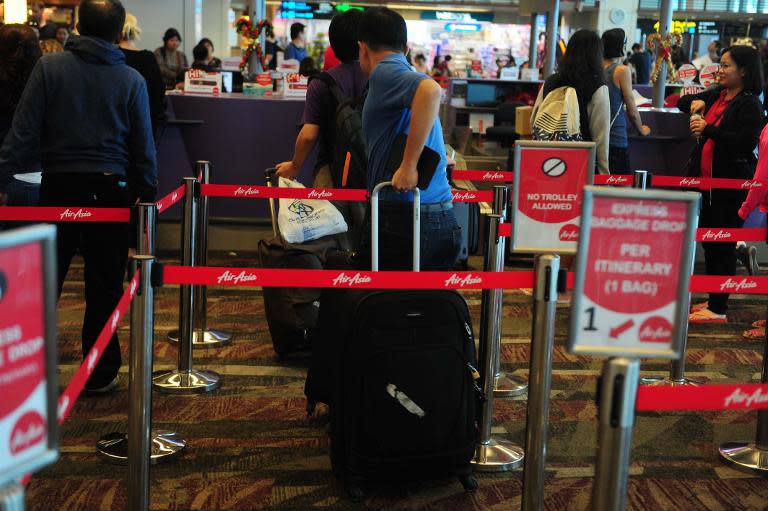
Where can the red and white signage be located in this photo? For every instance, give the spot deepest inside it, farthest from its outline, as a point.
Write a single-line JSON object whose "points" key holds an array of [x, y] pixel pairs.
{"points": [[709, 74], [549, 179], [197, 81], [633, 270], [24, 385], [687, 74]]}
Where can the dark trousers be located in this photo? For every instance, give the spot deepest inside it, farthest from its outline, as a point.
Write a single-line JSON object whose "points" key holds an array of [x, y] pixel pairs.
{"points": [[618, 160], [719, 258], [20, 193], [104, 247], [440, 237]]}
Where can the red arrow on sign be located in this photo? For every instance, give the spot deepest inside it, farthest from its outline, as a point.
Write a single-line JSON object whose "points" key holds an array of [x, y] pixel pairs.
{"points": [[616, 332]]}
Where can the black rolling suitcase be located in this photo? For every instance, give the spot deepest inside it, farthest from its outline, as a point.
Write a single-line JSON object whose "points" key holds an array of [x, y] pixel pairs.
{"points": [[397, 369]]}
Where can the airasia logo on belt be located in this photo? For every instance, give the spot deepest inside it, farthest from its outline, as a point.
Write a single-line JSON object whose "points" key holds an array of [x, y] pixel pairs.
{"points": [[690, 182], [29, 431], [711, 235], [617, 180], [246, 192], [319, 194], [345, 280], [734, 286], [751, 184], [467, 280], [75, 215], [231, 278], [569, 232], [739, 397], [493, 176], [463, 196]]}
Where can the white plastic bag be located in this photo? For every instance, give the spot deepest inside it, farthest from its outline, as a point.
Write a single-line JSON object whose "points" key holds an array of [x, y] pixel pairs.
{"points": [[303, 220]]}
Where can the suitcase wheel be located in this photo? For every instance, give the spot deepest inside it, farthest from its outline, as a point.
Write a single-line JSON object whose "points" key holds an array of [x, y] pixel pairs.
{"points": [[469, 482]]}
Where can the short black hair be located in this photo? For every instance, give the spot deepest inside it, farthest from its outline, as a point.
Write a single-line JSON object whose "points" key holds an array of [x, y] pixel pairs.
{"points": [[747, 59], [343, 35], [421, 57], [205, 40], [636, 46], [718, 46], [296, 29], [382, 28], [200, 52], [614, 41], [170, 34], [102, 18]]}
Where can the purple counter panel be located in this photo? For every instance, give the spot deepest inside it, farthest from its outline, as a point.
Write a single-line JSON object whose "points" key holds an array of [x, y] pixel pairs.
{"points": [[240, 135], [666, 151]]}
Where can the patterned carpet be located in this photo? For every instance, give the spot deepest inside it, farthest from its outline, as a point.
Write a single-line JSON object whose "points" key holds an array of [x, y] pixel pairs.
{"points": [[251, 446]]}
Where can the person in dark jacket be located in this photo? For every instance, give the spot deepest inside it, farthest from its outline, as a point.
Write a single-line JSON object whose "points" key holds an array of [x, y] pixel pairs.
{"points": [[84, 115], [727, 121]]}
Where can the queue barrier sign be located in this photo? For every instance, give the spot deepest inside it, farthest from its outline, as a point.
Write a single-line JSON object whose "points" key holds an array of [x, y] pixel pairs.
{"points": [[29, 437], [548, 184], [633, 268]]}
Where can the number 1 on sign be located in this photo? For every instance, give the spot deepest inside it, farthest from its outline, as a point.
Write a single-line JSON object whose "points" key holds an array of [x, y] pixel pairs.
{"points": [[591, 323]]}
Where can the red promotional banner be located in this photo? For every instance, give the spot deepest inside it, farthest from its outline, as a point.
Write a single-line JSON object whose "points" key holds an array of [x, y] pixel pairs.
{"points": [[260, 277], [730, 235], [724, 284], [171, 199], [704, 397], [498, 176], [64, 214], [23, 382], [548, 197], [75, 387]]}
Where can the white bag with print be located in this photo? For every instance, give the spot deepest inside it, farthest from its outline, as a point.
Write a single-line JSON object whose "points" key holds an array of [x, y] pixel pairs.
{"points": [[303, 220]]}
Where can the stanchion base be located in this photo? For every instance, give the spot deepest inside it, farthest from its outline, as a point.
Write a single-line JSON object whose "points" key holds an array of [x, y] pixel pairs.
{"points": [[204, 339], [509, 386], [166, 446], [745, 456], [196, 381], [497, 456], [657, 380]]}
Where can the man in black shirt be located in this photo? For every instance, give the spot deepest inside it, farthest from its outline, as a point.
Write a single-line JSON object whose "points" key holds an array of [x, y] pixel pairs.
{"points": [[641, 61]]}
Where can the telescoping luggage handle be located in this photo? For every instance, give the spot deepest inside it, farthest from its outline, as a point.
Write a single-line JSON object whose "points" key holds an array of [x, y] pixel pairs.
{"points": [[375, 226], [269, 174]]}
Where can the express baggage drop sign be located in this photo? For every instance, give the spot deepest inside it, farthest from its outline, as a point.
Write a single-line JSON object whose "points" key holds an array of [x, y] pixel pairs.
{"points": [[549, 178], [634, 265], [27, 403]]}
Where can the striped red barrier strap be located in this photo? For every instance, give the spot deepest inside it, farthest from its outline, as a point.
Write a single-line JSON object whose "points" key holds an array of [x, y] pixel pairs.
{"points": [[171, 199], [725, 284], [730, 235], [704, 397], [64, 214], [75, 387], [257, 277]]}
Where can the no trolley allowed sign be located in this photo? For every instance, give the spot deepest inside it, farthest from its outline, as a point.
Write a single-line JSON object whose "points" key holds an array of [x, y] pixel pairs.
{"points": [[635, 259]]}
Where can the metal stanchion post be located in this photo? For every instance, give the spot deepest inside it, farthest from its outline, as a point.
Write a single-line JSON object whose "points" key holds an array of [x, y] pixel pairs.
{"points": [[504, 385], [165, 445], [492, 455], [753, 457], [202, 337], [12, 498], [185, 379], [618, 393], [537, 416]]}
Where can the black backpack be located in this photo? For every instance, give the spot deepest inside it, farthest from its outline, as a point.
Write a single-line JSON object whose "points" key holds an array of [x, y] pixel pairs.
{"points": [[343, 139]]}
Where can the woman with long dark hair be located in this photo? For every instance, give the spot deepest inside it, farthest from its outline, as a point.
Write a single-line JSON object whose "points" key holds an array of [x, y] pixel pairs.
{"points": [[727, 121], [582, 69], [19, 52]]}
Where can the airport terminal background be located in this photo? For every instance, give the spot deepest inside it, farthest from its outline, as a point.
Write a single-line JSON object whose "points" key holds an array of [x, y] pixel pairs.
{"points": [[240, 436]]}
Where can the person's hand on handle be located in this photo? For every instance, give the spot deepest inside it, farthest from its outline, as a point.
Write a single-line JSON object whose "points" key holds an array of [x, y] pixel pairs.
{"points": [[697, 125], [405, 179], [645, 130], [698, 107], [287, 170]]}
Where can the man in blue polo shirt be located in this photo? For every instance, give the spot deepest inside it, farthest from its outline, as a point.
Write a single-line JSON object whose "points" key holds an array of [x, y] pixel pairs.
{"points": [[402, 101]]}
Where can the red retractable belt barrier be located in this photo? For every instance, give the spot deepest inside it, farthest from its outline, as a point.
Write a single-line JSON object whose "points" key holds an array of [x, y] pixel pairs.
{"points": [[171, 199], [730, 235], [64, 214], [726, 284], [256, 277], [75, 387], [704, 397], [501, 176]]}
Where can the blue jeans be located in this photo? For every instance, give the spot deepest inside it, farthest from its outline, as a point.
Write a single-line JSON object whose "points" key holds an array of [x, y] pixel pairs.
{"points": [[20, 193], [440, 237]]}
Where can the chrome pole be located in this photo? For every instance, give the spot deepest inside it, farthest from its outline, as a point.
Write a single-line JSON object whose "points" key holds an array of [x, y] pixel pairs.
{"points": [[618, 393], [537, 416], [185, 379], [504, 385], [665, 27], [533, 51], [746, 456], [491, 454], [12, 497], [553, 18], [202, 337], [165, 445]]}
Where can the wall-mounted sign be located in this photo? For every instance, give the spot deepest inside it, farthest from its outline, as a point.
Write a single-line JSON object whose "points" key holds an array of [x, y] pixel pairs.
{"points": [[686, 27], [707, 28], [465, 17], [307, 10], [463, 27]]}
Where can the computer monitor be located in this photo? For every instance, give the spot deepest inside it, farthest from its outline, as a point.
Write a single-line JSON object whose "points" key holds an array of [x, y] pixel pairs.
{"points": [[481, 94], [227, 80]]}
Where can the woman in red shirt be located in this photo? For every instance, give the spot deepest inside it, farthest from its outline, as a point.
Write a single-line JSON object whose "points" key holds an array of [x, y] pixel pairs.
{"points": [[727, 120]]}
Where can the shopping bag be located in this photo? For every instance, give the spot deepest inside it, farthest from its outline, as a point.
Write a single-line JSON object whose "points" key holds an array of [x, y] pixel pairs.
{"points": [[303, 220]]}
